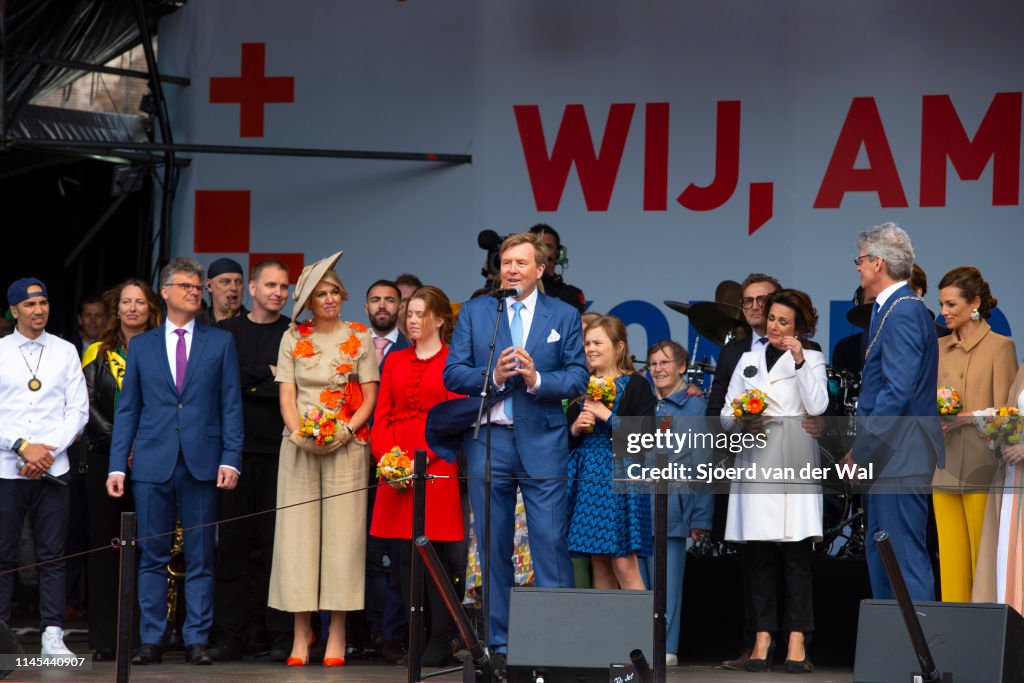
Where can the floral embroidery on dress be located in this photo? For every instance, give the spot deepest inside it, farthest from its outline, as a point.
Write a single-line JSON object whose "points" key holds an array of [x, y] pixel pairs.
{"points": [[343, 369], [303, 349], [331, 399], [357, 327], [305, 329], [350, 347]]}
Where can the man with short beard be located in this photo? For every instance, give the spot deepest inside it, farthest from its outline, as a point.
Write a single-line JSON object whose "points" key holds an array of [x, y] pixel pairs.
{"points": [[384, 613], [383, 302]]}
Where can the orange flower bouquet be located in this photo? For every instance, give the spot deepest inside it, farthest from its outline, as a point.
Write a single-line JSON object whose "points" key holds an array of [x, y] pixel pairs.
{"points": [[750, 403], [395, 468], [319, 426], [1003, 425], [600, 389]]}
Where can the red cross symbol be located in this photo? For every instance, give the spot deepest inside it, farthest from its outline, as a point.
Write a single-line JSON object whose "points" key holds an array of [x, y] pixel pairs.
{"points": [[252, 90]]}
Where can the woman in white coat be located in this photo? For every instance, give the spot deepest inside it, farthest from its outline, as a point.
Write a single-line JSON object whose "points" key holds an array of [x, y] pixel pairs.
{"points": [[779, 520]]}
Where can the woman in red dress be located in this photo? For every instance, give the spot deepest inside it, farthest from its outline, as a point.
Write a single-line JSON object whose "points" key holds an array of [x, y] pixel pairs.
{"points": [[410, 386]]}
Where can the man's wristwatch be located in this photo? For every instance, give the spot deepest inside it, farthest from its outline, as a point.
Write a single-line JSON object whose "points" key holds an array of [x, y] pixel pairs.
{"points": [[19, 446]]}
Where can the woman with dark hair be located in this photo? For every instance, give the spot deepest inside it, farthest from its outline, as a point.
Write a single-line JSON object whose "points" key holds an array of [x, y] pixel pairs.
{"points": [[410, 386], [132, 308], [980, 365], [612, 528], [779, 521]]}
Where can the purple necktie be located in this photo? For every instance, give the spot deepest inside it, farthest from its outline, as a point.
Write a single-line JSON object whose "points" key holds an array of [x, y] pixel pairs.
{"points": [[180, 360]]}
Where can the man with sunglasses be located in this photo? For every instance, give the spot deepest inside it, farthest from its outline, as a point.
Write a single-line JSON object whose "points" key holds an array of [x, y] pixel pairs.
{"points": [[179, 417]]}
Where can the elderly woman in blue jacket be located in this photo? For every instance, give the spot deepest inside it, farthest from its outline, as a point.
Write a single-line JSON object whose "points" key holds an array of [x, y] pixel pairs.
{"points": [[689, 514]]}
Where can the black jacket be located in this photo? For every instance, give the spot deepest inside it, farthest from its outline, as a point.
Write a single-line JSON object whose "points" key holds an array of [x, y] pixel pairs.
{"points": [[101, 387]]}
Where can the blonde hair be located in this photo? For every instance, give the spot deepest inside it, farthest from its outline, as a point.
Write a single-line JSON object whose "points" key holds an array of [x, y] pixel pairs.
{"points": [[539, 250], [332, 277]]}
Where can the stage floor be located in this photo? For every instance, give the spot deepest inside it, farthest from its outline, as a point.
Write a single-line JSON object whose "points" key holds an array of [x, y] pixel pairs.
{"points": [[174, 669]]}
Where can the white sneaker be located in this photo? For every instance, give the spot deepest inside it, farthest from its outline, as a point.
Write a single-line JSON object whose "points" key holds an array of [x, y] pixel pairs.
{"points": [[671, 659], [53, 642]]}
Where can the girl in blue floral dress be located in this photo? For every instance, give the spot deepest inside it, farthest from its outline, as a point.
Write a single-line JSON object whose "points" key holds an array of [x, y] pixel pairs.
{"points": [[612, 527]]}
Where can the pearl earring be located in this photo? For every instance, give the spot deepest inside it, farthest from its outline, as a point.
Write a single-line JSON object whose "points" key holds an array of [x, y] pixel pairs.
{"points": [[975, 316]]}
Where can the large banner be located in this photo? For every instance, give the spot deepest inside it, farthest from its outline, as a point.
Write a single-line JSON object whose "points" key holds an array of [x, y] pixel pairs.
{"points": [[673, 145]]}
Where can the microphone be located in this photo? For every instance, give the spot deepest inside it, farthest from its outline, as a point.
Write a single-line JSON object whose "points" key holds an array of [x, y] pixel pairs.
{"points": [[46, 475], [514, 292]]}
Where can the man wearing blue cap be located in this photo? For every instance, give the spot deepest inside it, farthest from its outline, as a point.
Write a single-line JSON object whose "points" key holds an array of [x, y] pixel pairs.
{"points": [[43, 407]]}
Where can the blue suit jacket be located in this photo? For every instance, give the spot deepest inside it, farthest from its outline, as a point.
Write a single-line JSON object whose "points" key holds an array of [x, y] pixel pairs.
{"points": [[899, 381], [555, 343], [204, 422]]}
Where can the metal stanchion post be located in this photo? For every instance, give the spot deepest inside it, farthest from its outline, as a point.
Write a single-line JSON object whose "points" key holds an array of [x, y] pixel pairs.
{"points": [[660, 567], [126, 598], [419, 501]]}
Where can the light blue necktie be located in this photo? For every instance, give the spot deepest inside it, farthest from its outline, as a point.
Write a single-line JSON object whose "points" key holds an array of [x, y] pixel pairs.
{"points": [[517, 340]]}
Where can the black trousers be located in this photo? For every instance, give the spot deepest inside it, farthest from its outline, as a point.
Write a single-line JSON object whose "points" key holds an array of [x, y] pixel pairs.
{"points": [[767, 563], [47, 505], [245, 550], [104, 525]]}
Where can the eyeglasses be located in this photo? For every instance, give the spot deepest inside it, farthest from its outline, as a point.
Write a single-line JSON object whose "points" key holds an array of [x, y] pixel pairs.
{"points": [[749, 301], [860, 259], [661, 364], [187, 286]]}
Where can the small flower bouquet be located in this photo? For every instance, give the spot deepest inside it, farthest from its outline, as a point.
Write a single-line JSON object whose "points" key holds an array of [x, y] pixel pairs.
{"points": [[395, 465], [750, 403], [948, 401], [319, 426], [600, 389], [1002, 425]]}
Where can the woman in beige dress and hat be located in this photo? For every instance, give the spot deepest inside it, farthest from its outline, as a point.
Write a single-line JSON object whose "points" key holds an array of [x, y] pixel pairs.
{"points": [[320, 537]]}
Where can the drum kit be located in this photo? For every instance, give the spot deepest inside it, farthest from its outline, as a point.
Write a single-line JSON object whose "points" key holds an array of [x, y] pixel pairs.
{"points": [[722, 321]]}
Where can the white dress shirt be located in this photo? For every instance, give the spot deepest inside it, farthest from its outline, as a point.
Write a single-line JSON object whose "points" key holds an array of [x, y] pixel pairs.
{"points": [[56, 414], [172, 342], [497, 414], [884, 295]]}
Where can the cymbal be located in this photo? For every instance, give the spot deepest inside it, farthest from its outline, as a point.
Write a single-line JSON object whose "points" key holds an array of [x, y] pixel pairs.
{"points": [[678, 306], [716, 321], [860, 316], [729, 292]]}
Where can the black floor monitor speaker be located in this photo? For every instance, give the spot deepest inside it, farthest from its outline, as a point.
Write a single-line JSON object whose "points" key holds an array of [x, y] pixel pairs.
{"points": [[976, 643], [573, 635]]}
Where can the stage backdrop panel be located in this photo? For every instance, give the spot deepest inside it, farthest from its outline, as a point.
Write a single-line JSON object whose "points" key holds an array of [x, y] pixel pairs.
{"points": [[673, 145]]}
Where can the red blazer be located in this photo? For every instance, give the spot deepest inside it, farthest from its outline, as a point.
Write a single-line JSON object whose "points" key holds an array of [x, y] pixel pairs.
{"points": [[409, 388]]}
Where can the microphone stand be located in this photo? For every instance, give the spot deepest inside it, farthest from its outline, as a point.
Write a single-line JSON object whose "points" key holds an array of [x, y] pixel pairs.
{"points": [[485, 402]]}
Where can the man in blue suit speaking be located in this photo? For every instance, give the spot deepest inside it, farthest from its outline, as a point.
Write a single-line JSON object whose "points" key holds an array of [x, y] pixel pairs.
{"points": [[540, 364], [179, 420], [897, 428]]}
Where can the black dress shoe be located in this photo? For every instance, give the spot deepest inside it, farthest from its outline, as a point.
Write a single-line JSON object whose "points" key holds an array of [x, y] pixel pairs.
{"points": [[104, 654], [149, 653], [196, 654], [438, 651], [280, 647], [802, 666], [224, 652]]}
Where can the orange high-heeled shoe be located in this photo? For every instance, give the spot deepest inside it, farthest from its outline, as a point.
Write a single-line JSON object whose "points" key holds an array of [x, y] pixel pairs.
{"points": [[334, 661], [296, 661]]}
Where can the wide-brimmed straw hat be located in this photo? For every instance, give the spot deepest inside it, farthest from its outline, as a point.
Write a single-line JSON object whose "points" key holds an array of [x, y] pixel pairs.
{"points": [[308, 280]]}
